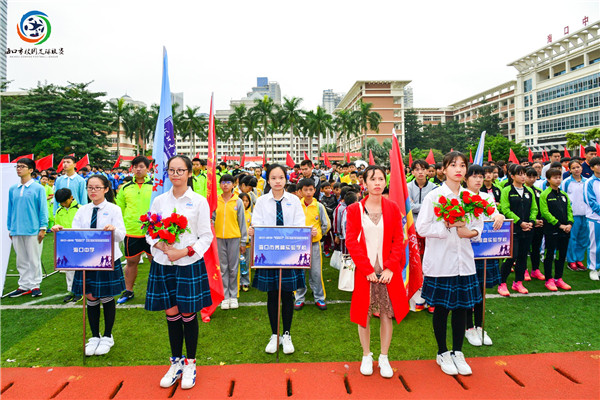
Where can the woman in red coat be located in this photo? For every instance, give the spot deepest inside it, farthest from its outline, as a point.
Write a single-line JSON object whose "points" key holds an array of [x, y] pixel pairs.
{"points": [[374, 238]]}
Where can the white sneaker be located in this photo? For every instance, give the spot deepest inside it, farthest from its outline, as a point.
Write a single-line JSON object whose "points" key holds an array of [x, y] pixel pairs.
{"points": [[91, 346], [444, 360], [473, 337], [366, 366], [385, 369], [188, 378], [461, 364], [225, 304], [173, 373], [233, 303], [594, 275], [272, 346], [288, 347], [486, 339], [104, 346]]}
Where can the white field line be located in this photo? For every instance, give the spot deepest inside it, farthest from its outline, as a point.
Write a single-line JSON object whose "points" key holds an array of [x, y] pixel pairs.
{"points": [[42, 299], [29, 306]]}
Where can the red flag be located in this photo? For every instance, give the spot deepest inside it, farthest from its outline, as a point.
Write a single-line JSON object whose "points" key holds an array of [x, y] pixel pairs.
{"points": [[30, 156], [117, 163], [306, 156], [546, 157], [581, 151], [326, 160], [412, 273], [430, 158], [243, 161], [348, 158], [567, 152], [289, 161], [82, 163], [197, 155], [4, 158], [471, 156], [512, 157], [598, 149], [410, 160], [530, 155], [211, 257], [60, 163], [451, 149], [490, 155], [45, 162], [371, 159]]}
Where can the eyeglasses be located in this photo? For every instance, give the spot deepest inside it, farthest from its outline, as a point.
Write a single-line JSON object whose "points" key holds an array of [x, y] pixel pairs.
{"points": [[20, 166], [177, 172], [226, 183], [95, 188]]}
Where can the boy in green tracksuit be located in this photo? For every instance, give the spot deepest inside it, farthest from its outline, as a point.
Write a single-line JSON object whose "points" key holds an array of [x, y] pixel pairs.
{"points": [[555, 208], [64, 218]]}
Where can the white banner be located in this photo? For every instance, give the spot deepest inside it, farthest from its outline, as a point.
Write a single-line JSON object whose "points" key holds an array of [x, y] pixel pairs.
{"points": [[8, 178]]}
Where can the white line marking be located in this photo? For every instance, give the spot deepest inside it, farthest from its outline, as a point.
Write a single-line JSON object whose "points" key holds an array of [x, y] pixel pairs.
{"points": [[42, 299]]}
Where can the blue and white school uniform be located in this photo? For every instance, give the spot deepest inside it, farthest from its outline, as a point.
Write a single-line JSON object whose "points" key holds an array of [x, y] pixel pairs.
{"points": [[182, 283], [492, 275], [450, 279], [101, 283], [76, 184], [591, 197], [580, 232]]}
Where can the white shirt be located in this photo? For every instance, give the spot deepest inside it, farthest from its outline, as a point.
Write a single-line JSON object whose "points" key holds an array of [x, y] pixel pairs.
{"points": [[265, 211], [446, 254], [108, 214], [195, 208]]}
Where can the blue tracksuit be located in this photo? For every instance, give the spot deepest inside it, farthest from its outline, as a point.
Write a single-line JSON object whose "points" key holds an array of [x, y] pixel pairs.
{"points": [[591, 197], [580, 232]]}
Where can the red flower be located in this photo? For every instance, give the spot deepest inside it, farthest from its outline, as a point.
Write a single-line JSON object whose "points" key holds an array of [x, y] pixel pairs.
{"points": [[455, 213], [490, 210], [466, 197], [451, 220], [181, 222], [443, 200], [144, 218], [476, 198], [454, 202], [437, 211], [166, 222], [154, 235], [154, 217]]}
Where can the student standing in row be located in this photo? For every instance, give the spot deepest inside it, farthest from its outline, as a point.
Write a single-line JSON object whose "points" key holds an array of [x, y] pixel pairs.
{"points": [[531, 176], [579, 239], [64, 217], [72, 181], [244, 273]]}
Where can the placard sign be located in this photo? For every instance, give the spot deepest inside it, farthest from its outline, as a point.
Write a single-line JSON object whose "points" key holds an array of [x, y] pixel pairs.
{"points": [[282, 247], [494, 244], [83, 250]]}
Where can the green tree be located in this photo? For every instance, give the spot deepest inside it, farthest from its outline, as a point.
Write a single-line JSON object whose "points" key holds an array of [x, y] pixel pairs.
{"points": [[263, 110], [345, 125], [584, 139], [119, 112], [500, 147], [486, 121], [292, 118], [366, 119], [192, 125], [413, 135], [237, 123], [319, 123], [252, 130]]}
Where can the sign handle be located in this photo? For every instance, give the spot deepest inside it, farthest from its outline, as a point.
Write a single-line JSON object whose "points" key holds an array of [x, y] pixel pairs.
{"points": [[483, 306], [84, 304], [278, 313]]}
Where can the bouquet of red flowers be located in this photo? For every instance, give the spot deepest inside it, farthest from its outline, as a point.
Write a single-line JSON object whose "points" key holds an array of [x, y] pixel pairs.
{"points": [[450, 211], [168, 229], [474, 205]]}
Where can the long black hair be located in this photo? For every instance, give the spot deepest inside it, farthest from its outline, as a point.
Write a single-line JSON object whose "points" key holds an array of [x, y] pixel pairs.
{"points": [[110, 195], [269, 170]]}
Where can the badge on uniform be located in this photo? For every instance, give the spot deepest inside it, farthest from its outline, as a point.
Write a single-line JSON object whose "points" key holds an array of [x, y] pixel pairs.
{"points": [[526, 195], [564, 199]]}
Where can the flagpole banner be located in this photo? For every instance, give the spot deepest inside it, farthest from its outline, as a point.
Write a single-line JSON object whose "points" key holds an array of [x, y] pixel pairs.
{"points": [[164, 139], [84, 250], [480, 149], [285, 247], [9, 178]]}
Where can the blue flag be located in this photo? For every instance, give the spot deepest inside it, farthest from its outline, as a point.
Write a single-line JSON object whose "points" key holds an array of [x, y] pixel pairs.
{"points": [[164, 139], [480, 149]]}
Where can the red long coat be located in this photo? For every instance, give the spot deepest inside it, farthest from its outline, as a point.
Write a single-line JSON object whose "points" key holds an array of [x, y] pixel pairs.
{"points": [[393, 259]]}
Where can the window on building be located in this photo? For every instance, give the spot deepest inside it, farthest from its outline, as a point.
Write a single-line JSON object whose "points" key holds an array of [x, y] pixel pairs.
{"points": [[527, 86]]}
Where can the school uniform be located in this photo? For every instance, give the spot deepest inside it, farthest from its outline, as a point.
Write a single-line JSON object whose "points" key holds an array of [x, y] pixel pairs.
{"points": [[492, 270], [76, 184], [495, 191], [580, 233], [591, 196], [244, 279], [555, 208], [538, 234], [338, 229], [64, 217], [184, 282], [134, 201]]}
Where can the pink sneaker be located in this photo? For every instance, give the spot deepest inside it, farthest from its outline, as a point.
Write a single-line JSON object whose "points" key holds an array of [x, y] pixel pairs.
{"points": [[527, 277], [550, 285], [503, 290], [518, 286], [537, 274], [562, 284]]}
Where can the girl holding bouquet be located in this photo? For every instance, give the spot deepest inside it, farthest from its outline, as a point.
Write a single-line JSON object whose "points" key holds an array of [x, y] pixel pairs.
{"points": [[450, 279], [178, 282]]}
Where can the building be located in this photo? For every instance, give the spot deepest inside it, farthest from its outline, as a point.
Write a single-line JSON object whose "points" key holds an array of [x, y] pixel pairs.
{"points": [[3, 41], [387, 98], [331, 100], [263, 88], [127, 147], [177, 98], [408, 97], [558, 90], [434, 116]]}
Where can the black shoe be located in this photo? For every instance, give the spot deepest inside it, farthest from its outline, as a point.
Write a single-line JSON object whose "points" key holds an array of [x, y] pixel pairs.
{"points": [[68, 298], [125, 297]]}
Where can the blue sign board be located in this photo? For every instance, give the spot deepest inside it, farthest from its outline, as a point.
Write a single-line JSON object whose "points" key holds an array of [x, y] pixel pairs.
{"points": [[282, 247], [494, 244], [83, 250]]}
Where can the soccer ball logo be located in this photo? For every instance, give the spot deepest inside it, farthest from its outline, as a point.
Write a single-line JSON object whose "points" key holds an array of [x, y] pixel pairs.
{"points": [[34, 27]]}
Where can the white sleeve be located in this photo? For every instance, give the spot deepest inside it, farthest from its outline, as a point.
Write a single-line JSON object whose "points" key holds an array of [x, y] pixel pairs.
{"points": [[119, 224], [257, 213], [203, 228], [427, 224], [77, 220]]}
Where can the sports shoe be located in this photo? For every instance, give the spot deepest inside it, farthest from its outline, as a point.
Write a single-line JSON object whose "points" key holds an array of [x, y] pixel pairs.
{"points": [[125, 297], [173, 373], [225, 304], [580, 266], [593, 276], [188, 378], [321, 305], [473, 337], [288, 347], [76, 298], [503, 290], [527, 277], [444, 360], [68, 298], [36, 292], [430, 309], [486, 339], [385, 369], [537, 274], [21, 292], [91, 346], [572, 266], [550, 285], [233, 304], [518, 286], [562, 284], [366, 366], [104, 345], [272, 345], [245, 288], [298, 305], [461, 364]]}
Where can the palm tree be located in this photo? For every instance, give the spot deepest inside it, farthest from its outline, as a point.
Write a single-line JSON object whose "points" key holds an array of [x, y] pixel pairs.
{"points": [[292, 118], [252, 131], [139, 123], [345, 124], [191, 125], [119, 110], [319, 123], [274, 126], [263, 110], [366, 119], [237, 122]]}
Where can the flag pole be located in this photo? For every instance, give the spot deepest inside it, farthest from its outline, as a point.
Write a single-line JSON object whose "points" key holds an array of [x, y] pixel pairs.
{"points": [[483, 305], [278, 313]]}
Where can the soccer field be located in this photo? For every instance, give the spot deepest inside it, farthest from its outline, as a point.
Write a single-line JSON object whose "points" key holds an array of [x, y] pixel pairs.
{"points": [[45, 332]]}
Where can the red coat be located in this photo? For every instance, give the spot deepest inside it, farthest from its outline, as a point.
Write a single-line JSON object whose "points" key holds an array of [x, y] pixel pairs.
{"points": [[394, 255]]}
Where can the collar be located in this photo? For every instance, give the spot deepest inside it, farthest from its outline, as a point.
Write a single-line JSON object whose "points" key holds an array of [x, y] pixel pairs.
{"points": [[446, 191], [314, 201], [72, 176], [100, 206], [286, 195], [188, 193], [26, 184]]}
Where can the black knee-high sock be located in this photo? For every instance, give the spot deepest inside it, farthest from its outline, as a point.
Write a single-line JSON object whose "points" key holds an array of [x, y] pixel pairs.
{"points": [[287, 310], [93, 312], [440, 322], [272, 309], [110, 312], [190, 331], [458, 328], [469, 319], [175, 326]]}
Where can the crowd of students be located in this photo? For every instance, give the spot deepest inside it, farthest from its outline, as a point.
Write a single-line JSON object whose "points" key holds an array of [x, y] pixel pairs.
{"points": [[555, 208]]}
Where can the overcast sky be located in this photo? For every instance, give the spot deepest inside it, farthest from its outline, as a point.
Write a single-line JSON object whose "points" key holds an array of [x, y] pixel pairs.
{"points": [[450, 50]]}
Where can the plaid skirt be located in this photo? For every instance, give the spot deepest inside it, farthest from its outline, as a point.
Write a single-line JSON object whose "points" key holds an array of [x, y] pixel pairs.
{"points": [[451, 292], [267, 280], [184, 286], [492, 276], [100, 283]]}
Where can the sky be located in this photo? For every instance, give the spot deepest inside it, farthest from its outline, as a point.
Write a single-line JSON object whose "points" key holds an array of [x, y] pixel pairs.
{"points": [[449, 50]]}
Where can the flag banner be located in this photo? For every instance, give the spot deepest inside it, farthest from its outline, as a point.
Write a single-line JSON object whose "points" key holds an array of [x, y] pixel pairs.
{"points": [[30, 156], [4, 158], [480, 149], [410, 159], [243, 161], [117, 163], [581, 151], [490, 155], [430, 158], [289, 161], [567, 152], [371, 159], [530, 155], [85, 160], [471, 156], [45, 162], [164, 139], [326, 160], [512, 157], [306, 156]]}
